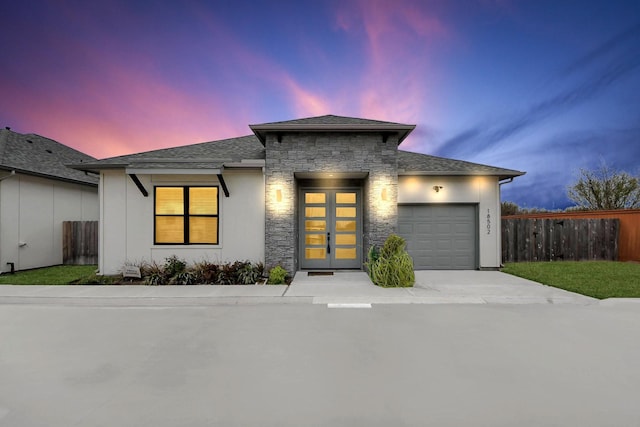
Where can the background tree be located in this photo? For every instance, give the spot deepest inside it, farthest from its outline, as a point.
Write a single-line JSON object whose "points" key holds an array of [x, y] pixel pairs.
{"points": [[605, 188], [509, 208]]}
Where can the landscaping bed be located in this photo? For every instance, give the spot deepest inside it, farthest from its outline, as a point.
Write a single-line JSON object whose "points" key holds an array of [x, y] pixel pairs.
{"points": [[173, 271]]}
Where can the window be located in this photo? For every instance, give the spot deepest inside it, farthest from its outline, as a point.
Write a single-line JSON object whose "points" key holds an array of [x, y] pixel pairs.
{"points": [[186, 215]]}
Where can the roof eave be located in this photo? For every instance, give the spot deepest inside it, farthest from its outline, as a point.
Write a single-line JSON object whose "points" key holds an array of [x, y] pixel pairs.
{"points": [[501, 174], [402, 130], [44, 175], [96, 168]]}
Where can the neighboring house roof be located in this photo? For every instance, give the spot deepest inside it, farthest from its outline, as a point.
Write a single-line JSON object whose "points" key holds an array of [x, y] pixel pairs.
{"points": [[216, 154], [331, 123], [36, 155], [205, 155], [424, 164]]}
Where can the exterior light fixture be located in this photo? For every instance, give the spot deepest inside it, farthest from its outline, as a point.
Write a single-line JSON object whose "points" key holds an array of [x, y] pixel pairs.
{"points": [[278, 195], [437, 188], [383, 195]]}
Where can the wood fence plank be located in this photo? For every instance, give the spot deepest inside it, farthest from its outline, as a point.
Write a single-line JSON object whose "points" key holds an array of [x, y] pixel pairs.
{"points": [[549, 239], [80, 242]]}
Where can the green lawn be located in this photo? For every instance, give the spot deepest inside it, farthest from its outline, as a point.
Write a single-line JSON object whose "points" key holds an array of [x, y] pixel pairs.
{"points": [[598, 279], [58, 275]]}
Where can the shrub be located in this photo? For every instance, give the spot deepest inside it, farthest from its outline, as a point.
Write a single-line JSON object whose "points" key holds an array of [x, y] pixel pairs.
{"points": [[277, 276], [174, 266], [393, 266], [176, 271], [206, 272], [249, 274], [154, 274]]}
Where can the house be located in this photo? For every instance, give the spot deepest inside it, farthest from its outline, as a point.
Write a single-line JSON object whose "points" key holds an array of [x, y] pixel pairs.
{"points": [[312, 193], [37, 193]]}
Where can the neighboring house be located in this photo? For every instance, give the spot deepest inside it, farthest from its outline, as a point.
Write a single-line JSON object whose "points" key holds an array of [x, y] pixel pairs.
{"points": [[37, 193], [313, 193]]}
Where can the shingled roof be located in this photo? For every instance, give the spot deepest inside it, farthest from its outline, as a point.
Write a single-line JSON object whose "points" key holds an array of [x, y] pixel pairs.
{"points": [[331, 123], [423, 164], [36, 155], [215, 154], [331, 119], [205, 155]]}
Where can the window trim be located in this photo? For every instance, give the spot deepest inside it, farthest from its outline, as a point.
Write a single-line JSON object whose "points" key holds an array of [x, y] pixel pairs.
{"points": [[185, 215]]}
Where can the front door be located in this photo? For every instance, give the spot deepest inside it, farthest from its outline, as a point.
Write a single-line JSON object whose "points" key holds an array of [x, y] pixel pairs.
{"points": [[330, 228]]}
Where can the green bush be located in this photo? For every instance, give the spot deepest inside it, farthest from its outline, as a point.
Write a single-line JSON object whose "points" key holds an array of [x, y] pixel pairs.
{"points": [[277, 276], [392, 266], [176, 271]]}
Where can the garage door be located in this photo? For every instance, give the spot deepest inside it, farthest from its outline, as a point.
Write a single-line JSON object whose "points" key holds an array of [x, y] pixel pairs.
{"points": [[440, 237]]}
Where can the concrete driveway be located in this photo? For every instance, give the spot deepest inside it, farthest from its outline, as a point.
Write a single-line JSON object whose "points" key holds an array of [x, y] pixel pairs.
{"points": [[433, 287], [354, 287]]}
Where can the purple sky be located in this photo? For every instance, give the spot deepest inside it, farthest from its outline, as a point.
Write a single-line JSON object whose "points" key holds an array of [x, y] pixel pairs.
{"points": [[546, 87]]}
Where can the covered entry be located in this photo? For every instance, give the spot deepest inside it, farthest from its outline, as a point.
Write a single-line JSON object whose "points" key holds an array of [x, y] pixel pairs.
{"points": [[440, 236], [330, 228]]}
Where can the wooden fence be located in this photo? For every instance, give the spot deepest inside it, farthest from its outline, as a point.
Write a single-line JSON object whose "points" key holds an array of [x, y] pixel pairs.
{"points": [[80, 242], [553, 239], [629, 231]]}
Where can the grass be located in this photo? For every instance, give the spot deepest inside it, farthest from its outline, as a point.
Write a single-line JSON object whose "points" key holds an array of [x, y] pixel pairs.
{"points": [[58, 275], [598, 279]]}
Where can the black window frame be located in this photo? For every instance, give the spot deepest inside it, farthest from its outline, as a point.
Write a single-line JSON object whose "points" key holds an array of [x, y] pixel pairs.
{"points": [[186, 215]]}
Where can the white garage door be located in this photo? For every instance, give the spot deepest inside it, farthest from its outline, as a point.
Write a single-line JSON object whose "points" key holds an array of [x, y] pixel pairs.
{"points": [[440, 236]]}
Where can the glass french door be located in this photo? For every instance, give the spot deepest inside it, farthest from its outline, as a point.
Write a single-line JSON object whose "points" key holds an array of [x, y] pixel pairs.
{"points": [[330, 228]]}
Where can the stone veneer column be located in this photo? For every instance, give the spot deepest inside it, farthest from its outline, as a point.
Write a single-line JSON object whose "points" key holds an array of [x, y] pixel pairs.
{"points": [[327, 152]]}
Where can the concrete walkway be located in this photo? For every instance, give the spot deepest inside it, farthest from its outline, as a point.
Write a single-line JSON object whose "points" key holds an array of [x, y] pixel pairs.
{"points": [[432, 287]]}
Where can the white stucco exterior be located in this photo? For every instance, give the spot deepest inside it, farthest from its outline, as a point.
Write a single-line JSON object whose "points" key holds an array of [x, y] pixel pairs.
{"points": [[481, 190], [127, 217], [32, 210]]}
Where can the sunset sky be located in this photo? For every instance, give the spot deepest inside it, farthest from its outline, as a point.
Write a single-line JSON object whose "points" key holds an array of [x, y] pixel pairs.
{"points": [[547, 87]]}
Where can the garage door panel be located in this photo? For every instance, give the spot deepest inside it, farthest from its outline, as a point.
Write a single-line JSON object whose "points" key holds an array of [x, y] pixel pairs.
{"points": [[440, 236]]}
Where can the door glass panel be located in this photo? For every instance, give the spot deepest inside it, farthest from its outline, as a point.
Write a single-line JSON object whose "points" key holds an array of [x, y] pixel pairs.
{"points": [[317, 212], [315, 198], [345, 225], [345, 239], [315, 253], [346, 212], [311, 225], [345, 253], [349, 198], [315, 239]]}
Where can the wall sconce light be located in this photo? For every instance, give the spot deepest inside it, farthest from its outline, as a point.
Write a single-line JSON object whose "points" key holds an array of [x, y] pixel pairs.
{"points": [[383, 195], [437, 188], [278, 195]]}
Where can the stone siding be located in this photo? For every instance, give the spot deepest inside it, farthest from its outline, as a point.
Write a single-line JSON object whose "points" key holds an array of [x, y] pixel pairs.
{"points": [[327, 152]]}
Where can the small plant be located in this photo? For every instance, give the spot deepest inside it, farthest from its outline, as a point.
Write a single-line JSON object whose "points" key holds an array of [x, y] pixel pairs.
{"points": [[184, 278], [154, 274], [206, 272], [248, 274], [393, 266], [277, 276], [174, 266]]}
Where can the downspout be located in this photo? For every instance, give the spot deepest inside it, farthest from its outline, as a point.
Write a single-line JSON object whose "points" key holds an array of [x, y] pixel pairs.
{"points": [[505, 181]]}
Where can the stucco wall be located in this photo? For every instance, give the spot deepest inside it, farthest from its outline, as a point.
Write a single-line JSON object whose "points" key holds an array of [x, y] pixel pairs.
{"points": [[32, 210], [484, 191], [126, 226]]}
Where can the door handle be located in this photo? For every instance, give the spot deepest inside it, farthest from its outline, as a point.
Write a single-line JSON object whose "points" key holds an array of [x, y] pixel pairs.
{"points": [[328, 243]]}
